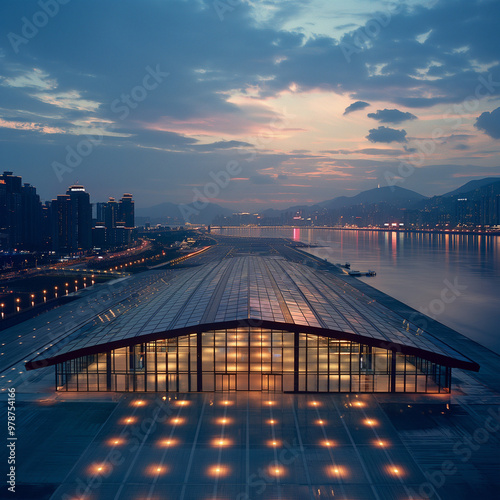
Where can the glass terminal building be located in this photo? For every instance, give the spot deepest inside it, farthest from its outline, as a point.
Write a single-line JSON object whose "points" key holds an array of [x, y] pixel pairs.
{"points": [[251, 323]]}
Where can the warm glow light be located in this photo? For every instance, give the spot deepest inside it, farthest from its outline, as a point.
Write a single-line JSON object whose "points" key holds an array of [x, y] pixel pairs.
{"points": [[394, 470], [276, 470], [182, 403], [359, 404], [270, 403], [168, 443], [380, 443], [221, 442], [227, 403], [115, 442], [138, 403], [155, 470], [314, 403], [327, 443], [224, 421], [273, 443], [370, 422], [177, 421], [271, 422], [218, 470], [98, 468], [128, 420], [336, 471], [320, 422]]}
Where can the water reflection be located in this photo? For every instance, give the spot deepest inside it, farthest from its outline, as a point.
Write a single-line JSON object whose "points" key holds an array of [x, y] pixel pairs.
{"points": [[413, 268]]}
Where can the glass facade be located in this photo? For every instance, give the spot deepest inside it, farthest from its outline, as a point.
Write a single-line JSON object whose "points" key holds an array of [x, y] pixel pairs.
{"points": [[252, 359]]}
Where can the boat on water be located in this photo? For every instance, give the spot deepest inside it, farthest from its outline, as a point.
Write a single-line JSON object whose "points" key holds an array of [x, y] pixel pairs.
{"points": [[359, 273]]}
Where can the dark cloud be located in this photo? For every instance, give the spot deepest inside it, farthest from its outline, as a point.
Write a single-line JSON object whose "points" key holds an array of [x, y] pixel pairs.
{"points": [[262, 179], [391, 116], [461, 147], [386, 134], [355, 106], [489, 123], [156, 147]]}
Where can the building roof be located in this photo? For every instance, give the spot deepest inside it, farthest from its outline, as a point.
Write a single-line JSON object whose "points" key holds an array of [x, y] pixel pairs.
{"points": [[269, 292]]}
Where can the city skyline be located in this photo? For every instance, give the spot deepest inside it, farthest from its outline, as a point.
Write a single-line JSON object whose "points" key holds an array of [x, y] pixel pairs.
{"points": [[67, 224], [303, 101]]}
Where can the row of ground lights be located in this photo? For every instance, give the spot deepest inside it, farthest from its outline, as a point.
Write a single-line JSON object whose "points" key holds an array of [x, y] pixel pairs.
{"points": [[221, 470], [56, 295]]}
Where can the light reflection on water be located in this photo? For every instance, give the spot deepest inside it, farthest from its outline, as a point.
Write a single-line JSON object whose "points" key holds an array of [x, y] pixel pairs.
{"points": [[414, 267]]}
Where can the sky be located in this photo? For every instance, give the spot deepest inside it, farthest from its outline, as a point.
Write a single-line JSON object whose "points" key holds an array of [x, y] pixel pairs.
{"points": [[252, 104]]}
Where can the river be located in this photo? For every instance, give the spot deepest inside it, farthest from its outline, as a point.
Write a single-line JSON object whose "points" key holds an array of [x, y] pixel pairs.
{"points": [[451, 277]]}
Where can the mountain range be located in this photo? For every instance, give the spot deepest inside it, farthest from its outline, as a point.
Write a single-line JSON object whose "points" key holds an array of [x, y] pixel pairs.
{"points": [[395, 196]]}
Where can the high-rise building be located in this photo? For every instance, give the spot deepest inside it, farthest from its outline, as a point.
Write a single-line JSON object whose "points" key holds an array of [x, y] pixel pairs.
{"points": [[11, 214], [72, 221], [126, 210], [61, 224], [20, 214], [81, 218], [31, 229]]}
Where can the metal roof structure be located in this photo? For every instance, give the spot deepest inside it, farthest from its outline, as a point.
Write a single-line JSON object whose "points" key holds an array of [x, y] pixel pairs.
{"points": [[267, 292]]}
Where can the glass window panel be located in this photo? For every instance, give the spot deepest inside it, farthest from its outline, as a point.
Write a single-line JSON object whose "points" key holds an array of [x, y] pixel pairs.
{"points": [[288, 354], [334, 383], [208, 381], [242, 382], [288, 382], [312, 382], [345, 383]]}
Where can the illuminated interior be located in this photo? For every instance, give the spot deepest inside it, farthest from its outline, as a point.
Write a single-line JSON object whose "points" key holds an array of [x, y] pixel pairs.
{"points": [[252, 359]]}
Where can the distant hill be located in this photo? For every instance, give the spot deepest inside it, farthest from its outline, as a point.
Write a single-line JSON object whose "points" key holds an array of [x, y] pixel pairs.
{"points": [[394, 195], [473, 185], [170, 213]]}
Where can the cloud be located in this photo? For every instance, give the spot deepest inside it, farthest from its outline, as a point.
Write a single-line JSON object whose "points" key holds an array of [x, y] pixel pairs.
{"points": [[380, 152], [461, 147], [215, 101], [29, 78], [366, 151], [355, 106], [489, 123], [222, 145], [262, 179], [386, 134], [391, 116]]}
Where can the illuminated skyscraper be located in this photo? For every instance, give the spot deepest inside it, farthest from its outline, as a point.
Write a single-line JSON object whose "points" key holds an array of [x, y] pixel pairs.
{"points": [[126, 210], [81, 218]]}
